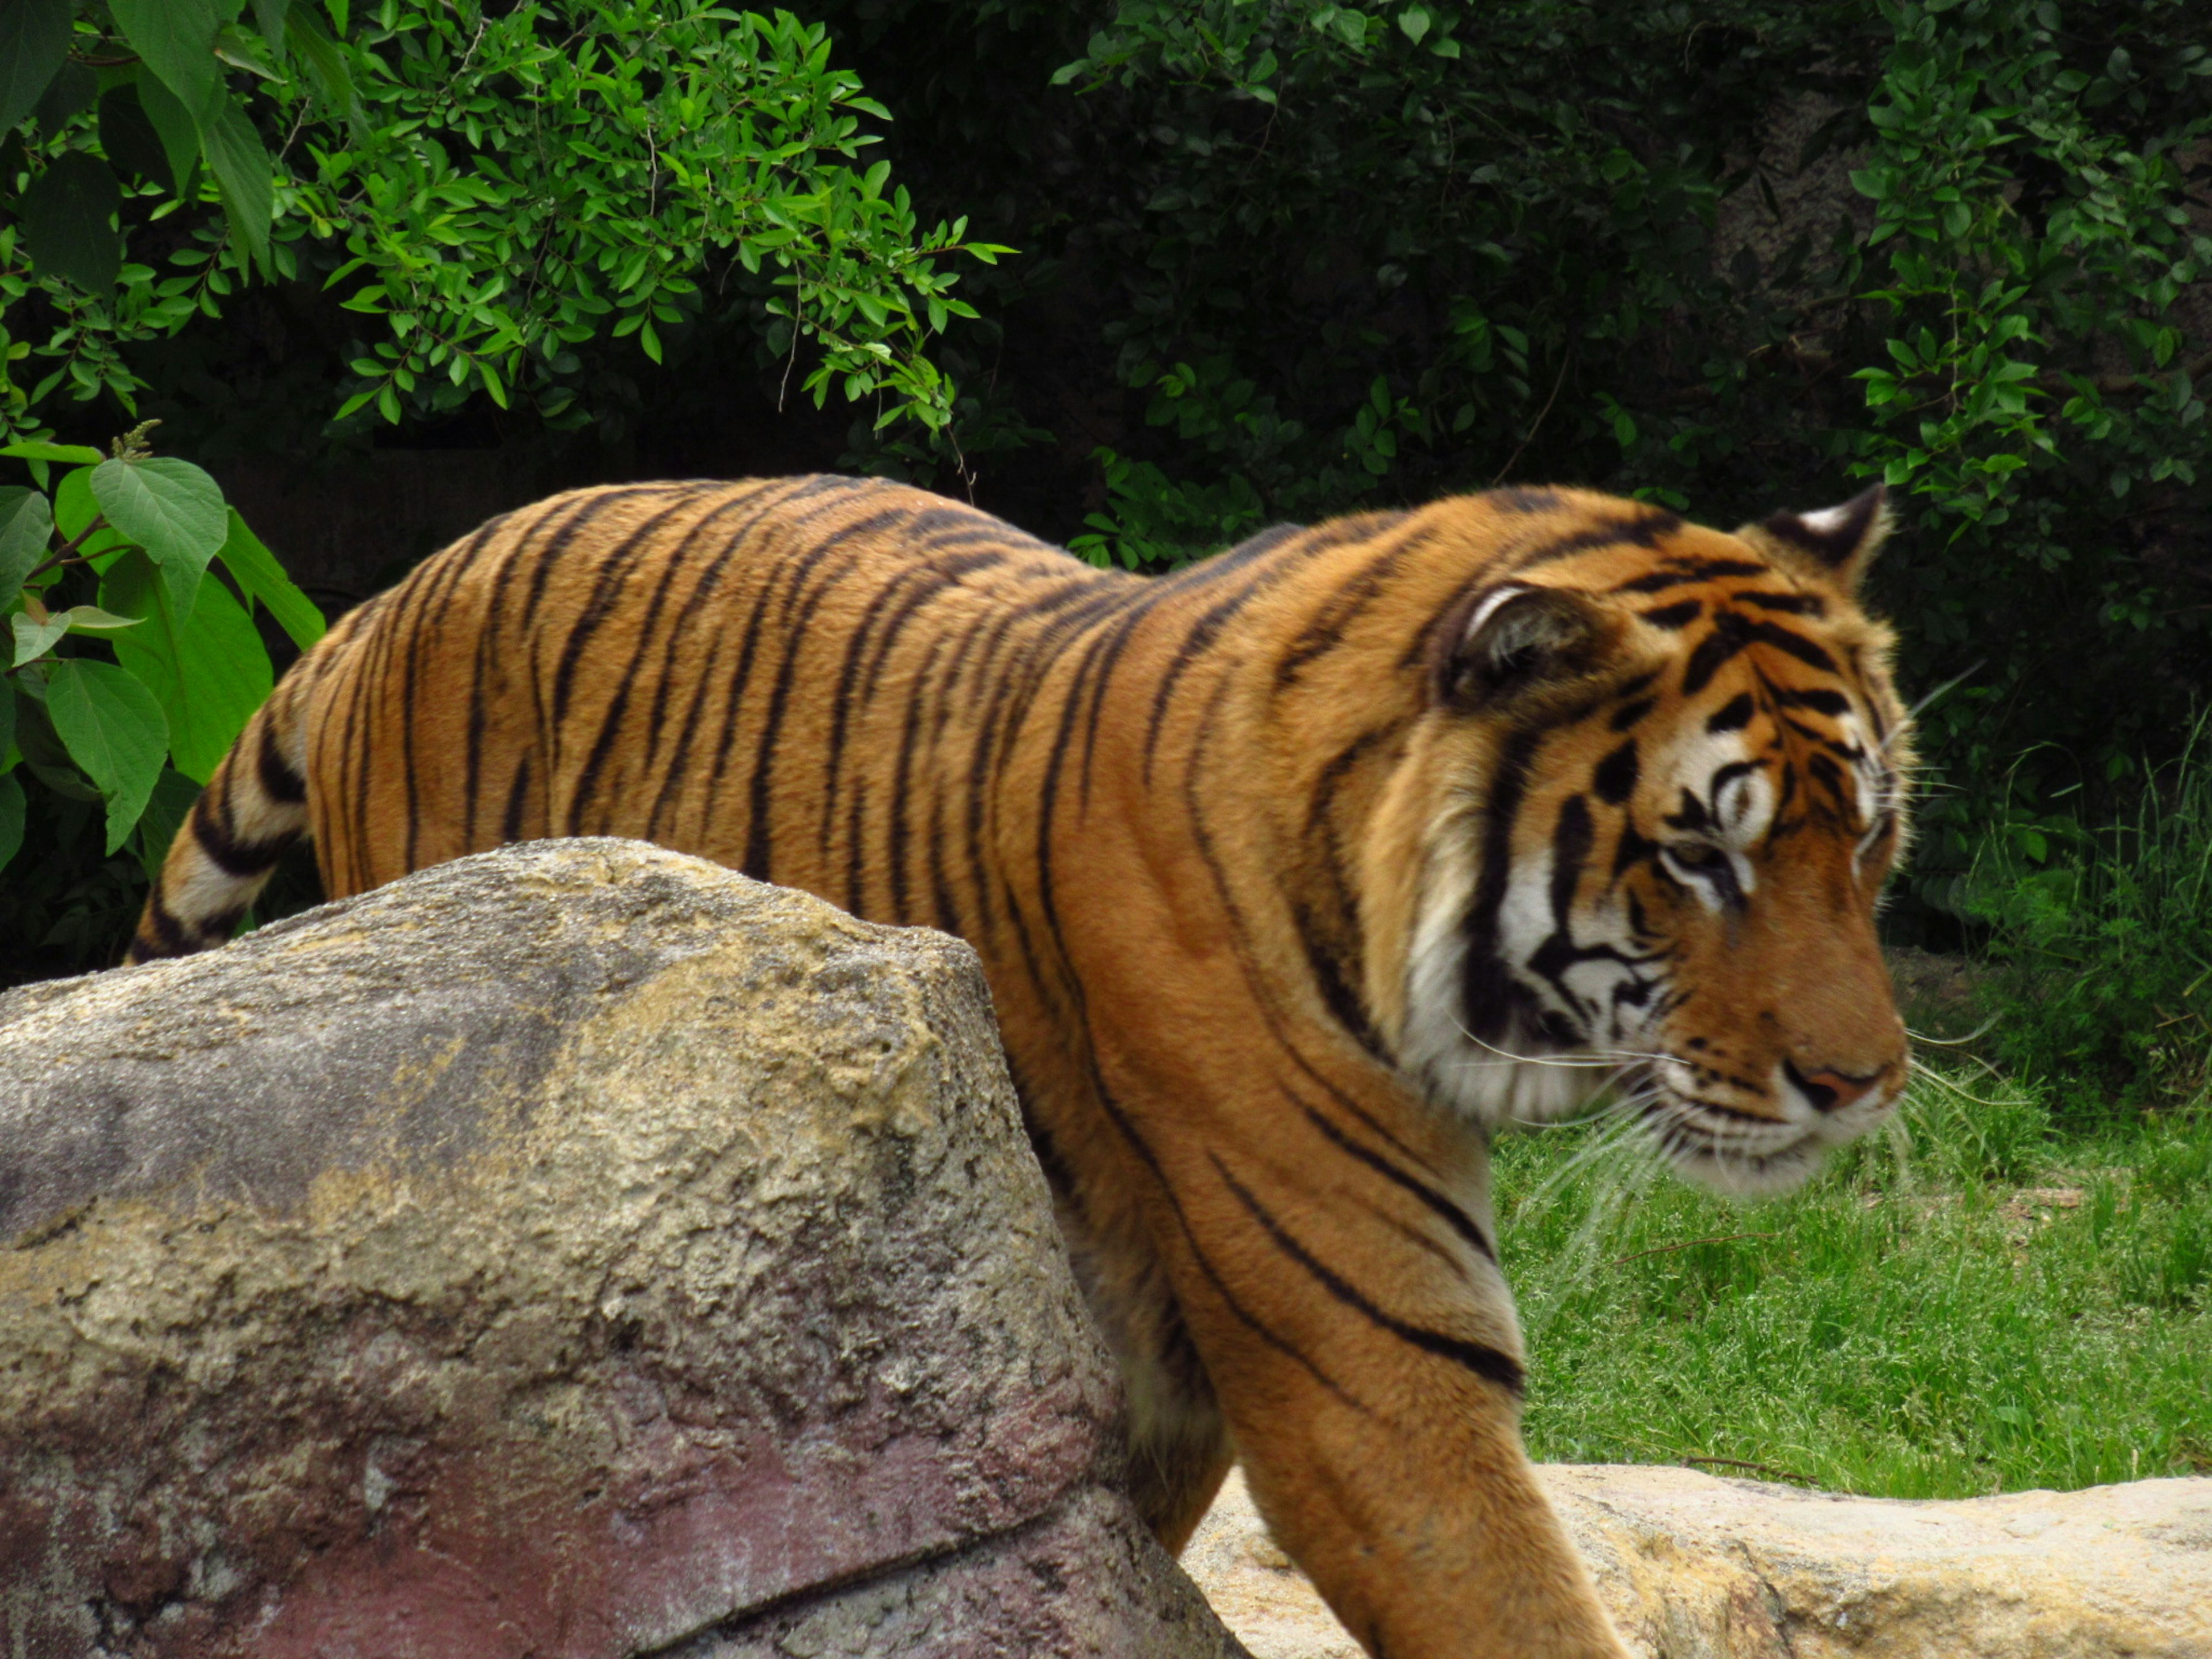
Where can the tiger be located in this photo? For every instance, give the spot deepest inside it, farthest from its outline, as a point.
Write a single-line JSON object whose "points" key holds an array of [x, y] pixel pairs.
{"points": [[1296, 874]]}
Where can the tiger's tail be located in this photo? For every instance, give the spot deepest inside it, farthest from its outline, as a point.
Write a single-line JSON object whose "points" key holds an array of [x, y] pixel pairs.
{"points": [[254, 811]]}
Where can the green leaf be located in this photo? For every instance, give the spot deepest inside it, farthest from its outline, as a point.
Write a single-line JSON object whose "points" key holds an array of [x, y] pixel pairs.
{"points": [[68, 215], [1415, 22], [308, 36], [172, 510], [270, 15], [241, 167], [73, 87], [27, 527], [255, 571], [209, 670], [128, 134], [114, 730], [6, 723], [11, 818], [166, 807], [176, 38], [91, 619], [82, 454], [176, 126], [33, 639], [34, 37]]}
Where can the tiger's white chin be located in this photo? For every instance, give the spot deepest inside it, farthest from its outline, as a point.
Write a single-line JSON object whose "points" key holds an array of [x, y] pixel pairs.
{"points": [[1735, 1174]]}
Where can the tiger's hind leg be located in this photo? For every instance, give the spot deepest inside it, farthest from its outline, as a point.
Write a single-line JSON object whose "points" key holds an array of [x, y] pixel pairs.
{"points": [[1179, 1446]]}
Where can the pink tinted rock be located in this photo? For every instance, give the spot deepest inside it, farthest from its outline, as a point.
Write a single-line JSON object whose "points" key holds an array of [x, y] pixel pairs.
{"points": [[569, 1252]]}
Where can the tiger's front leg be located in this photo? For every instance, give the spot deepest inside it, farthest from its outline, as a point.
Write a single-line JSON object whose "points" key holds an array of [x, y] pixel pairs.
{"points": [[1368, 1369]]}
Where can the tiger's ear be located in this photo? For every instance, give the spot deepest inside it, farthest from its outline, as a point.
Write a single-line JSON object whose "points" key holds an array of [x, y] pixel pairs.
{"points": [[1503, 641], [1834, 545]]}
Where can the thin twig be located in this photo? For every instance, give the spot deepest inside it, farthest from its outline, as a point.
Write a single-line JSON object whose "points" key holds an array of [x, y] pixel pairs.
{"points": [[1558, 381], [70, 547], [1664, 1249]]}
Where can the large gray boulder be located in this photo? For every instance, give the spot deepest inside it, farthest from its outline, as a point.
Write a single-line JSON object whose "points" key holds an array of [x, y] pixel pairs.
{"points": [[1697, 1567], [576, 1250]]}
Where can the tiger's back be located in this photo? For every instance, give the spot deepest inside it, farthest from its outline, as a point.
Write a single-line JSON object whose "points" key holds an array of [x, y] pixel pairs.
{"points": [[1293, 874]]}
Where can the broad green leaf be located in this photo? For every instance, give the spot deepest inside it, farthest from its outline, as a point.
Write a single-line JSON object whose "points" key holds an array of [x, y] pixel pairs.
{"points": [[74, 86], [68, 226], [114, 730], [6, 723], [82, 454], [178, 129], [255, 569], [34, 36], [11, 819], [34, 636], [172, 510], [127, 133], [241, 167], [172, 796], [27, 525], [176, 38], [210, 672]]}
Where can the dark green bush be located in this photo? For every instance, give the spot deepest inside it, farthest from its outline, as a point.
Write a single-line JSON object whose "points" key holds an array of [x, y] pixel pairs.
{"points": [[2102, 933]]}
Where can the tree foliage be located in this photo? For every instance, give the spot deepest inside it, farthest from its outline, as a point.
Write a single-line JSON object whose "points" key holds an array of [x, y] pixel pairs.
{"points": [[491, 189]]}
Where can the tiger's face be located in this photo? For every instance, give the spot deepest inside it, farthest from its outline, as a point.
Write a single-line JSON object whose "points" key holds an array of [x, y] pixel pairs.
{"points": [[1666, 794]]}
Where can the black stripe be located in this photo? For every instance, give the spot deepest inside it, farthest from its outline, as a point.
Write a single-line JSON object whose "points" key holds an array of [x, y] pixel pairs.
{"points": [[425, 601], [1675, 617], [510, 824], [1197, 640], [224, 849], [1733, 633], [1798, 604], [1733, 715], [275, 773], [1454, 1217], [487, 651], [610, 724], [1643, 531], [1483, 1360], [1350, 598], [1488, 991], [759, 828], [1684, 572], [170, 938], [1614, 780], [1124, 630], [1819, 700], [1256, 978], [566, 532], [716, 627]]}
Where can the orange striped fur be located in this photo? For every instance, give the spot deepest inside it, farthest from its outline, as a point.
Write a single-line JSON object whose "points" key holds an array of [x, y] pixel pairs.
{"points": [[1295, 874]]}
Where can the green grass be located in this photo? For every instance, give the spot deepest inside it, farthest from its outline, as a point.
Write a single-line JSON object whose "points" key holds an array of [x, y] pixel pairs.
{"points": [[1907, 1325]]}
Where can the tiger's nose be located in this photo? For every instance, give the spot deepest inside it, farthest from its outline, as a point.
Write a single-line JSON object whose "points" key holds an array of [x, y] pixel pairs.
{"points": [[1830, 1092]]}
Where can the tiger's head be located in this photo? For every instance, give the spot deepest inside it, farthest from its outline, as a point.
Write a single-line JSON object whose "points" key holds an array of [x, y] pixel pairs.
{"points": [[1655, 793]]}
